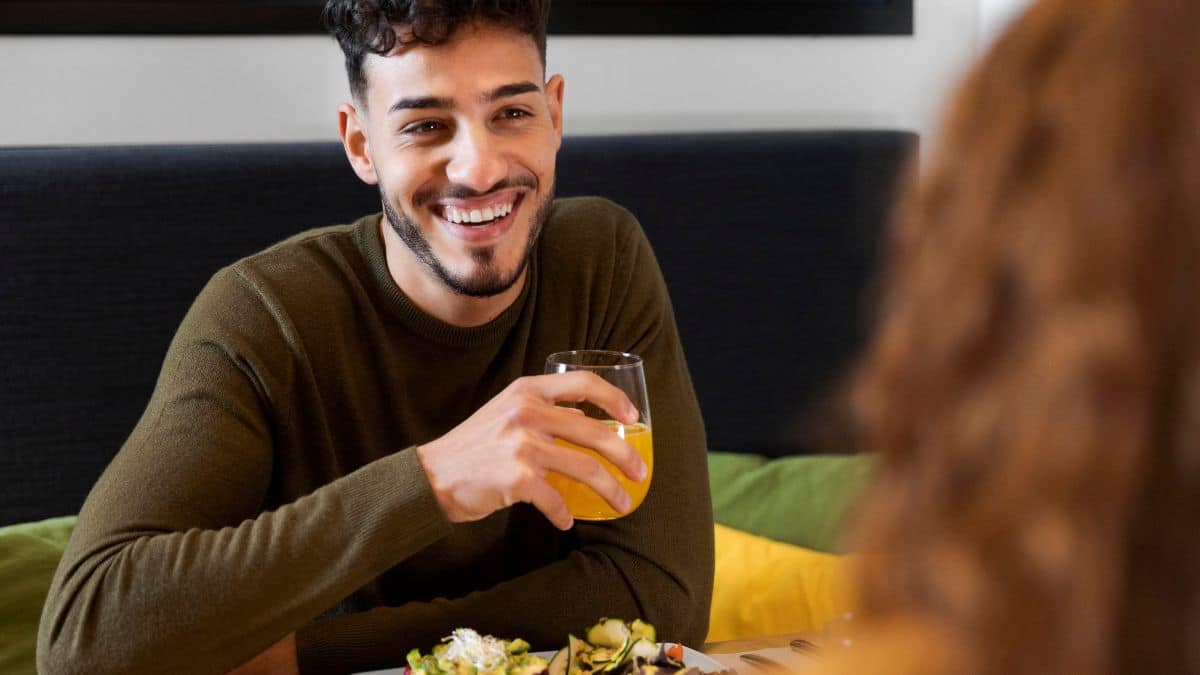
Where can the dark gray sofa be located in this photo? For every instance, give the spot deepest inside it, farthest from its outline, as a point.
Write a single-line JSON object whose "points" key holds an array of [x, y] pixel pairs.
{"points": [[767, 241]]}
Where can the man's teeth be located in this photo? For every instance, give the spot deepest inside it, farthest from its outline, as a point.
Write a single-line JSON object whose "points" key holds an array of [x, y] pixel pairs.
{"points": [[486, 214]]}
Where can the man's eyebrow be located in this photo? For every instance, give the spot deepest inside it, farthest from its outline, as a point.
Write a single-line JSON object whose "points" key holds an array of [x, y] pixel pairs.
{"points": [[514, 89], [426, 102], [421, 102]]}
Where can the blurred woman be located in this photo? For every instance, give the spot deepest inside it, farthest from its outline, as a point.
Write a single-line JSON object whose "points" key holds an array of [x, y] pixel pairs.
{"points": [[1033, 386]]}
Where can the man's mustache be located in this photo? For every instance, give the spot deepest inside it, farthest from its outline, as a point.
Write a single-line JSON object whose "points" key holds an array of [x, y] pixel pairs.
{"points": [[455, 191]]}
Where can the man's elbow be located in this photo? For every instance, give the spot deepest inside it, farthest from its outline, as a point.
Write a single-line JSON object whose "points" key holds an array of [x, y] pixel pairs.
{"points": [[64, 649], [684, 618], [57, 656], [65, 657]]}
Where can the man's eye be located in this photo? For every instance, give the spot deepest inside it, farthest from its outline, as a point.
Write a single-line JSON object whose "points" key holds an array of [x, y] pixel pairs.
{"points": [[427, 127], [513, 113]]}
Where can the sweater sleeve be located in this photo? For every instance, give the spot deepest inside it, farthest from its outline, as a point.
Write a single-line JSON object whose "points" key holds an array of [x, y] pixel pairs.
{"points": [[173, 565], [656, 563]]}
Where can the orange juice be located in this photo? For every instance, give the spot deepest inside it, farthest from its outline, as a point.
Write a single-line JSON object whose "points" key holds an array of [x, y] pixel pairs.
{"points": [[582, 500]]}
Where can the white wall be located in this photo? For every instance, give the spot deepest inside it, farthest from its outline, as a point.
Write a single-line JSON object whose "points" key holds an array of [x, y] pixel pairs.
{"points": [[995, 15], [60, 90]]}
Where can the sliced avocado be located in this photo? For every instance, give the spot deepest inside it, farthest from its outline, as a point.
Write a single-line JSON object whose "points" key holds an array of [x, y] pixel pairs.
{"points": [[609, 633], [643, 630]]}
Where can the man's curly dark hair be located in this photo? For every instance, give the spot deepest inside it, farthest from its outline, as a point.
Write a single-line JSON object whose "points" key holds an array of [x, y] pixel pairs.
{"points": [[369, 26]]}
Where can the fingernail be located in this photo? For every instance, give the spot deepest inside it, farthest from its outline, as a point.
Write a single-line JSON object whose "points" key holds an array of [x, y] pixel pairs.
{"points": [[625, 503], [632, 413], [642, 471]]}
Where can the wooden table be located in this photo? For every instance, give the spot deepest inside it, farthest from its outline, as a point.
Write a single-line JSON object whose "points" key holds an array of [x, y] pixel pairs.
{"points": [[774, 647]]}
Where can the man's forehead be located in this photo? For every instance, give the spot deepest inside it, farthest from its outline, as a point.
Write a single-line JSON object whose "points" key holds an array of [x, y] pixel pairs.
{"points": [[468, 65]]}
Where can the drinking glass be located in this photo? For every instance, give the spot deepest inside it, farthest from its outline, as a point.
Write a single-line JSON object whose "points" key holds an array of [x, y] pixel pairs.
{"points": [[624, 371]]}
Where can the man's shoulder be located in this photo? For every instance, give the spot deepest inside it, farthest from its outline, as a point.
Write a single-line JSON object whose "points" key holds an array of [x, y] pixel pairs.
{"points": [[306, 256], [594, 243], [313, 267]]}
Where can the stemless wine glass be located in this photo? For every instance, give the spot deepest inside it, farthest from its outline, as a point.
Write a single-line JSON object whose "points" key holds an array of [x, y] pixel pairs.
{"points": [[625, 372]]}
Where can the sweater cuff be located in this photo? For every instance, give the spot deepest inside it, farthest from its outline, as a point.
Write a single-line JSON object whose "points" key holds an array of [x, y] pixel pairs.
{"points": [[391, 504]]}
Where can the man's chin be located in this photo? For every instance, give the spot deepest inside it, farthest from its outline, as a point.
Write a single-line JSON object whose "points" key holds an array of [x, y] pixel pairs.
{"points": [[481, 277], [485, 283]]}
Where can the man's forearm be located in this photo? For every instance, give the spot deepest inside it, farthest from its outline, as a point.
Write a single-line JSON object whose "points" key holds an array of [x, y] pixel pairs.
{"points": [[541, 606], [207, 600]]}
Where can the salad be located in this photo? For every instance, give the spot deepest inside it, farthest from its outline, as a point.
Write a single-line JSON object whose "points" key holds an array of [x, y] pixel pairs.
{"points": [[466, 652], [610, 647]]}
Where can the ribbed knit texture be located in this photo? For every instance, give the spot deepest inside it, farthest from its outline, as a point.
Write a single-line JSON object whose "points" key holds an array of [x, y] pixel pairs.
{"points": [[272, 484]]}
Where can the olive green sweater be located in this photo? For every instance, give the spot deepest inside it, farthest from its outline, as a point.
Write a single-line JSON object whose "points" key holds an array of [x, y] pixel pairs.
{"points": [[272, 483]]}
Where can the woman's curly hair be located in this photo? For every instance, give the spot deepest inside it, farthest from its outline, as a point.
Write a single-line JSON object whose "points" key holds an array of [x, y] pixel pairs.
{"points": [[1033, 387], [370, 26]]}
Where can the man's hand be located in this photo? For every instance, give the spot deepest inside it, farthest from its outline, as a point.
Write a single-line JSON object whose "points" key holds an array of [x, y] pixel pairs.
{"points": [[500, 455], [278, 659]]}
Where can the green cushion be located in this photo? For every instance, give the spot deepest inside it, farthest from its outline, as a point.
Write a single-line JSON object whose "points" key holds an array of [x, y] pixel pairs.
{"points": [[802, 500], [29, 555]]}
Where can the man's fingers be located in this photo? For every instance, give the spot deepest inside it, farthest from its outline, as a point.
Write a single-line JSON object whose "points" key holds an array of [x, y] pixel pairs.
{"points": [[580, 385], [545, 499], [598, 436], [587, 470]]}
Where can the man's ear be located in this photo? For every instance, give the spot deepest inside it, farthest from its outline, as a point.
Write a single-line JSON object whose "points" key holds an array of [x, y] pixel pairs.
{"points": [[554, 100], [354, 141]]}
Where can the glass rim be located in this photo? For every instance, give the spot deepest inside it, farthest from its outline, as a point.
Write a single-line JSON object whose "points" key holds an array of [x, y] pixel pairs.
{"points": [[629, 360]]}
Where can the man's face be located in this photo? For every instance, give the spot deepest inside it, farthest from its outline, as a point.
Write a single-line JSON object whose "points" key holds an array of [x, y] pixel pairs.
{"points": [[463, 138]]}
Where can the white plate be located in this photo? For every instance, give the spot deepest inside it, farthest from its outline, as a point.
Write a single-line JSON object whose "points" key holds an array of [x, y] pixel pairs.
{"points": [[691, 659]]}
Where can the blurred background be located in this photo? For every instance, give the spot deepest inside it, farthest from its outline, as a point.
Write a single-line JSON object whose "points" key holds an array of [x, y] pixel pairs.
{"points": [[93, 89]]}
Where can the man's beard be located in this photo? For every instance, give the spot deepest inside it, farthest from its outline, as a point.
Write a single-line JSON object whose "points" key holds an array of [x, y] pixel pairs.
{"points": [[489, 279]]}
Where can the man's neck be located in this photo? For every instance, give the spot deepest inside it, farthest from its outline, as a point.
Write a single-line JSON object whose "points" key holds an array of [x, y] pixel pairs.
{"points": [[432, 295]]}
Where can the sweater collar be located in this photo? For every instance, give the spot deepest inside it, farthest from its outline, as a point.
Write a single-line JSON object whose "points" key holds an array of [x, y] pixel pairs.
{"points": [[396, 303]]}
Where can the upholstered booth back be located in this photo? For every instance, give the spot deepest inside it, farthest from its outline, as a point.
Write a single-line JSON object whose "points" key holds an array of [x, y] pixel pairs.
{"points": [[766, 241]]}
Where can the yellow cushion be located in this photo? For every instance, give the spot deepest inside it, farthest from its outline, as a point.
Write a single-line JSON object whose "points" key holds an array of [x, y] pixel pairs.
{"points": [[763, 587]]}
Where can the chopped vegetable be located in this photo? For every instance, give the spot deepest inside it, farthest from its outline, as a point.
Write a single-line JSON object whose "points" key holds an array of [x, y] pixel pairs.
{"points": [[643, 631], [612, 647], [466, 652], [609, 633]]}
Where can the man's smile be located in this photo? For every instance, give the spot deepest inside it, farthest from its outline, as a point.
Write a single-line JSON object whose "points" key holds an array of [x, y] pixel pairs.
{"points": [[479, 219]]}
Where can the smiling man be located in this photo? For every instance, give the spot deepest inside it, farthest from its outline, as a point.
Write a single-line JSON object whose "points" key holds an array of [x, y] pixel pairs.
{"points": [[466, 173], [346, 453]]}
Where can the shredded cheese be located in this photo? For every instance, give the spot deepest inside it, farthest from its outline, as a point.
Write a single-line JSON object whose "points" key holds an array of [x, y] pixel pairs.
{"points": [[484, 652]]}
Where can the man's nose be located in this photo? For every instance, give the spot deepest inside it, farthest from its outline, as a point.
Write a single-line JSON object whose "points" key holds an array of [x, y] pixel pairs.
{"points": [[477, 161]]}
